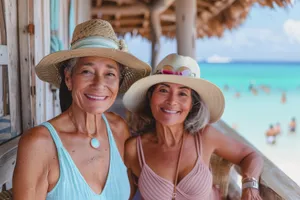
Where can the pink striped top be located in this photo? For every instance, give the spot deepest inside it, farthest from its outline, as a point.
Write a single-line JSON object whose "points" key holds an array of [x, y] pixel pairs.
{"points": [[197, 184]]}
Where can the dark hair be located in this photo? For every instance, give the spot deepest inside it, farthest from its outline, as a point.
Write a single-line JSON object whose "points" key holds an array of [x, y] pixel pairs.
{"points": [[65, 96]]}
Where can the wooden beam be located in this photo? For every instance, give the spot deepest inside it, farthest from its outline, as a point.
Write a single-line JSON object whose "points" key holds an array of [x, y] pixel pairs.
{"points": [[13, 65], [98, 3], [156, 9], [127, 22], [136, 9], [168, 17], [83, 11], [3, 55], [186, 27], [26, 47], [204, 4]]}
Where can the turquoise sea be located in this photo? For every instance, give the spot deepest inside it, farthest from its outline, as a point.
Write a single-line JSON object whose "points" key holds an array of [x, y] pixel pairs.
{"points": [[251, 114], [280, 76]]}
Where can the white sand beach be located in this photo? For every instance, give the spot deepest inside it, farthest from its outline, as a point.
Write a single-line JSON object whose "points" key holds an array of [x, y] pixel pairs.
{"points": [[252, 116]]}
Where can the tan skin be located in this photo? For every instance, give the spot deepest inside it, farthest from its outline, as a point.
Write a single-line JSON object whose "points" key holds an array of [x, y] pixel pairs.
{"points": [[161, 148], [37, 168]]}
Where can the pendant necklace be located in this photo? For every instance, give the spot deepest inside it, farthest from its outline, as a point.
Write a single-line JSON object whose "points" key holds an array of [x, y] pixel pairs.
{"points": [[94, 142]]}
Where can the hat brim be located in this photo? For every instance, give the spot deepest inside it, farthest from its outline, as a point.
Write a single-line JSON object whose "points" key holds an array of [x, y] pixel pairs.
{"points": [[48, 68], [211, 95]]}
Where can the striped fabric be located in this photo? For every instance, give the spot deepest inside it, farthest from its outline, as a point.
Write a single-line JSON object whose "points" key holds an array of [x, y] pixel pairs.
{"points": [[195, 185]]}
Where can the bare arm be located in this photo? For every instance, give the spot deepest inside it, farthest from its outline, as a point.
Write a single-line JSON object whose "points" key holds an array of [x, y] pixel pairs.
{"points": [[249, 160], [130, 161], [30, 174], [236, 152]]}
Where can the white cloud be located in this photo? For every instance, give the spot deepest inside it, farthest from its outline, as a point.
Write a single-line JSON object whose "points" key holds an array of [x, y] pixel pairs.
{"points": [[251, 37], [292, 30]]}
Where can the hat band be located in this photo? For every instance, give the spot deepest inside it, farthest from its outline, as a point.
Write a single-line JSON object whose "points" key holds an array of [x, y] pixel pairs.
{"points": [[94, 42], [181, 71]]}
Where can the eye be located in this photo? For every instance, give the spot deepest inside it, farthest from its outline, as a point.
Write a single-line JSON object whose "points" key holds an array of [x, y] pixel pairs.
{"points": [[110, 74], [86, 72], [163, 90], [183, 94]]}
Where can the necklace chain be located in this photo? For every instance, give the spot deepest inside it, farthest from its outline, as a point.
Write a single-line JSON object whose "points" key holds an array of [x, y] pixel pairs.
{"points": [[94, 142]]}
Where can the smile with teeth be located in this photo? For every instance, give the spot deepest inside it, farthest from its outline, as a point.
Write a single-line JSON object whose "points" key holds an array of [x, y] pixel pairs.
{"points": [[100, 98], [170, 111]]}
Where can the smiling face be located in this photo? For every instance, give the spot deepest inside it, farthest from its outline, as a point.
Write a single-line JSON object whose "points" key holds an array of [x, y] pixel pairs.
{"points": [[94, 82], [170, 103]]}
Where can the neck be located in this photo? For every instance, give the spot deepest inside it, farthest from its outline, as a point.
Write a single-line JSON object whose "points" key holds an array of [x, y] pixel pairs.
{"points": [[169, 135], [85, 123]]}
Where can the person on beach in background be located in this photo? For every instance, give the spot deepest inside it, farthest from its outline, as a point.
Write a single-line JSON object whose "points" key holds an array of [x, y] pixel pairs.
{"points": [[237, 95], [271, 135], [171, 156], [78, 155], [277, 129], [292, 125], [283, 98]]}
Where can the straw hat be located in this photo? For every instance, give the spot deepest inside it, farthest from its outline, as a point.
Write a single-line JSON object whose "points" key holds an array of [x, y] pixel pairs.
{"points": [[95, 37], [180, 70]]}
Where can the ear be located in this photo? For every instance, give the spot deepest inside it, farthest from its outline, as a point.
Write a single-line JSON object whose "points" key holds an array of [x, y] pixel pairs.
{"points": [[68, 79]]}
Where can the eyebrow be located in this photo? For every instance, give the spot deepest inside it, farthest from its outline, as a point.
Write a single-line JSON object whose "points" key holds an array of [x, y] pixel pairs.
{"points": [[107, 65], [111, 66], [182, 87]]}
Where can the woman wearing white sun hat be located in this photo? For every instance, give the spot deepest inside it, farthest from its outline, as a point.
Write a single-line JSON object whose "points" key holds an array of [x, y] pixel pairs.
{"points": [[79, 154], [173, 111]]}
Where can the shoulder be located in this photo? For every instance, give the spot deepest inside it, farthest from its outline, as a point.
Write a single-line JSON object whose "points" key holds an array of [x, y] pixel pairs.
{"points": [[118, 124], [130, 150], [210, 135], [36, 144], [36, 137]]}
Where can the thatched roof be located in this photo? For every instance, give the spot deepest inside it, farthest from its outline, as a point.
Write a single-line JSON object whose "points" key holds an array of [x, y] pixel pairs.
{"points": [[213, 16]]}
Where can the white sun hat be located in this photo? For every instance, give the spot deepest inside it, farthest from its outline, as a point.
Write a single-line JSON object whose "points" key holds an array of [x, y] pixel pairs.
{"points": [[180, 70]]}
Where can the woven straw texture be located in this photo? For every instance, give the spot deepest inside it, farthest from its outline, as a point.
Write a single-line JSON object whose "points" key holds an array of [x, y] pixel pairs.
{"points": [[135, 69], [221, 171], [6, 195]]}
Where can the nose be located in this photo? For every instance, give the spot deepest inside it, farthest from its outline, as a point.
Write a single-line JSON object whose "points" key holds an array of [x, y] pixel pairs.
{"points": [[98, 81], [171, 100]]}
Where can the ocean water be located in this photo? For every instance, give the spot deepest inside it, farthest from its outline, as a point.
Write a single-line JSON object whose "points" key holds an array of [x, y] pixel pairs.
{"points": [[279, 76], [252, 114]]}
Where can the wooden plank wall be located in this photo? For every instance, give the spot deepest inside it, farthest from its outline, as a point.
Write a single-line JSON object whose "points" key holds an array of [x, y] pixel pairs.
{"points": [[47, 102], [13, 65], [26, 43]]}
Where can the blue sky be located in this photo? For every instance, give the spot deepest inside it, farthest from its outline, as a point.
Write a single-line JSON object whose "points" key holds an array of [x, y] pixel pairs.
{"points": [[267, 34]]}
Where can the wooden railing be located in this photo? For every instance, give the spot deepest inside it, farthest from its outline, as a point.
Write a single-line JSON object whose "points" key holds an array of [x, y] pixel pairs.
{"points": [[8, 152], [274, 183]]}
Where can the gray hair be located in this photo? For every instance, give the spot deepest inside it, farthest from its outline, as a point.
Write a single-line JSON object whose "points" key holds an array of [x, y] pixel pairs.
{"points": [[70, 64], [144, 122]]}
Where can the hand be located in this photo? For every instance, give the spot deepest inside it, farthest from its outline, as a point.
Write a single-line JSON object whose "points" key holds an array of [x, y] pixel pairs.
{"points": [[251, 194]]}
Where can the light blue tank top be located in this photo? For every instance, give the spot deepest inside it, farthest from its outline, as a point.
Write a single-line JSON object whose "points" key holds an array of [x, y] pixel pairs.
{"points": [[72, 186]]}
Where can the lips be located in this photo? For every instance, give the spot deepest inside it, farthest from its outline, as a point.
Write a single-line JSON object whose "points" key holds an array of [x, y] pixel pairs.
{"points": [[96, 98], [169, 111]]}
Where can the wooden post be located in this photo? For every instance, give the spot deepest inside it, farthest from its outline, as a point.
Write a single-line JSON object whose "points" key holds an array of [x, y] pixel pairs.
{"points": [[26, 45], [186, 27], [13, 65], [83, 11], [156, 9]]}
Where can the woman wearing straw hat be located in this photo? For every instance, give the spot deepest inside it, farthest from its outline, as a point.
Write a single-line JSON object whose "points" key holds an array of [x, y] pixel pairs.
{"points": [[171, 158], [79, 154]]}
